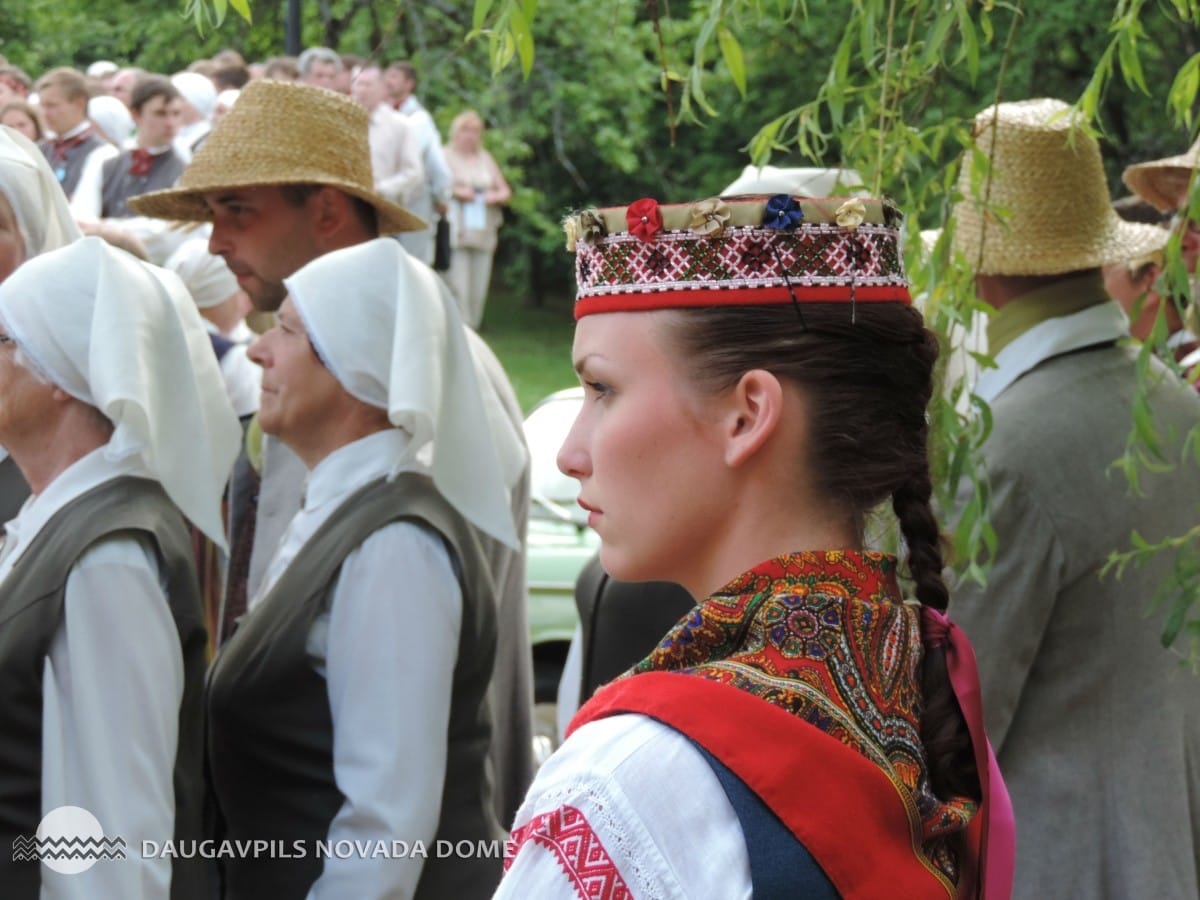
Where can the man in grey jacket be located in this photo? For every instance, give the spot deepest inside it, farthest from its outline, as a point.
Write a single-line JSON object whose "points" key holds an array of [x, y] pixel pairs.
{"points": [[1095, 724]]}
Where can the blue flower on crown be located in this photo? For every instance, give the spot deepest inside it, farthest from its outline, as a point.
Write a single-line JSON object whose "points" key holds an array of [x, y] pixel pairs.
{"points": [[782, 213]]}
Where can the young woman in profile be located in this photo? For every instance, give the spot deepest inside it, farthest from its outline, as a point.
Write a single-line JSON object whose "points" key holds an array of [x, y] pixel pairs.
{"points": [[756, 383]]}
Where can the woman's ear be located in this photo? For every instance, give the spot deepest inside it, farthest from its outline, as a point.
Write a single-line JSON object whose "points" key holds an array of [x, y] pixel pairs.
{"points": [[755, 408]]}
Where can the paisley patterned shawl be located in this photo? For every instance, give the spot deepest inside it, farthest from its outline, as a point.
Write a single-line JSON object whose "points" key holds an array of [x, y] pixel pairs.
{"points": [[826, 637]]}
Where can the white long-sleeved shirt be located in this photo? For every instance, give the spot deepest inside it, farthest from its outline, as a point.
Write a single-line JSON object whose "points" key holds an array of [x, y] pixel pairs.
{"points": [[386, 646], [113, 682], [395, 156], [627, 802]]}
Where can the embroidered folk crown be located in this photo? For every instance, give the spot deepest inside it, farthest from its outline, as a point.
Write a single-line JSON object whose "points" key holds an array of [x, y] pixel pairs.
{"points": [[728, 251]]}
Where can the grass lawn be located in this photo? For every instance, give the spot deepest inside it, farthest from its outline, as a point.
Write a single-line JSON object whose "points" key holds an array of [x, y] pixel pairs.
{"points": [[534, 344]]}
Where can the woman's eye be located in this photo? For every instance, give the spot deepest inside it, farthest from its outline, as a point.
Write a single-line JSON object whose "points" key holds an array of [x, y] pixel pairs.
{"points": [[599, 388]]}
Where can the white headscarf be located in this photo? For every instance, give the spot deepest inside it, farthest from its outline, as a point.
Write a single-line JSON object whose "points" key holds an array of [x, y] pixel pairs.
{"points": [[206, 277], [389, 332], [113, 117], [124, 336], [36, 198], [197, 90]]}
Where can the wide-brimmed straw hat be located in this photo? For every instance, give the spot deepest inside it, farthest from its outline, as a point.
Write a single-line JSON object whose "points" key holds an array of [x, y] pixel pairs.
{"points": [[1161, 181], [278, 134], [1044, 209]]}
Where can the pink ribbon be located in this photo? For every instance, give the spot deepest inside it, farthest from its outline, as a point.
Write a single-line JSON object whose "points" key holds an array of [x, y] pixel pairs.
{"points": [[998, 832]]}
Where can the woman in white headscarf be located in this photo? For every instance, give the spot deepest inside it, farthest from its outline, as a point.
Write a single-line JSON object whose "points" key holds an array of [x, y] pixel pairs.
{"points": [[34, 218], [351, 702], [112, 405], [223, 305]]}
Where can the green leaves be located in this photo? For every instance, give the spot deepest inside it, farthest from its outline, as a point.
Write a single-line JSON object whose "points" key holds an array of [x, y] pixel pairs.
{"points": [[509, 32], [1181, 99], [731, 52], [210, 14]]}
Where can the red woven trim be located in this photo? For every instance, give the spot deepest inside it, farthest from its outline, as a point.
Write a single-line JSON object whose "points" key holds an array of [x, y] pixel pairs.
{"points": [[640, 301], [581, 855], [839, 805]]}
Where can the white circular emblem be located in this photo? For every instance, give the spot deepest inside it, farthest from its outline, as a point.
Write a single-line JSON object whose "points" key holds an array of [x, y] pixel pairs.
{"points": [[70, 840]]}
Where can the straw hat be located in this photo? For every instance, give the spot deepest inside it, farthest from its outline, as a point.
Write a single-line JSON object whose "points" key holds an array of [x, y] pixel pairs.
{"points": [[1162, 181], [1049, 210], [278, 134]]}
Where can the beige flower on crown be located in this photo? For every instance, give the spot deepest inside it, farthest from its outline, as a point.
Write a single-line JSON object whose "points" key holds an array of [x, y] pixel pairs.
{"points": [[709, 217], [850, 214], [591, 226], [571, 227]]}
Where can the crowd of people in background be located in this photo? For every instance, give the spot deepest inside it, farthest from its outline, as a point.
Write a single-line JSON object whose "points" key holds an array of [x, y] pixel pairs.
{"points": [[112, 132]]}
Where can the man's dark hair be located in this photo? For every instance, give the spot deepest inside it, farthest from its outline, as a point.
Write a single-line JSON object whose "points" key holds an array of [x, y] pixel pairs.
{"points": [[150, 86], [409, 70], [296, 195], [231, 77]]}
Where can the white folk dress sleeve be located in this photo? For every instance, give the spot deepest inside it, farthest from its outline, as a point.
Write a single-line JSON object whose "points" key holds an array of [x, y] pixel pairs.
{"points": [[626, 807], [391, 645], [113, 685]]}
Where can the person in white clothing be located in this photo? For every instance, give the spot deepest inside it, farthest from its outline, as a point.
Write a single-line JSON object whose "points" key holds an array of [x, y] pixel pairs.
{"points": [[196, 113], [376, 615], [224, 306], [432, 203], [395, 156], [34, 219], [112, 406]]}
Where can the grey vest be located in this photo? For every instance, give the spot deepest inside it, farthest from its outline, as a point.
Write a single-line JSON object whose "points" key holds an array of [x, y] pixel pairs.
{"points": [[68, 169], [119, 185], [31, 609], [14, 490], [270, 729]]}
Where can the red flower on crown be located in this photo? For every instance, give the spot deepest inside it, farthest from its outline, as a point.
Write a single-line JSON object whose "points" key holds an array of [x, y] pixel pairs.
{"points": [[644, 218]]}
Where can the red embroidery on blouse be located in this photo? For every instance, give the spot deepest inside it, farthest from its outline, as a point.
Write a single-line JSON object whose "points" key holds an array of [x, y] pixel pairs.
{"points": [[565, 832]]}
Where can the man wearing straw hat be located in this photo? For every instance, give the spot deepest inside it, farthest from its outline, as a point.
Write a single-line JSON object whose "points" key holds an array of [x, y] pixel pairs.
{"points": [[1096, 727], [286, 178], [1166, 183]]}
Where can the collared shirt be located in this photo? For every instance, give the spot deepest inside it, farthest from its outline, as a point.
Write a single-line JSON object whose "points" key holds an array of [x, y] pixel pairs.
{"points": [[387, 646], [1099, 321], [113, 682]]}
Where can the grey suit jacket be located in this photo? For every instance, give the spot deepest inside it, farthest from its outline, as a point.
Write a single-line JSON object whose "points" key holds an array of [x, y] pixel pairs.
{"points": [[1096, 726]]}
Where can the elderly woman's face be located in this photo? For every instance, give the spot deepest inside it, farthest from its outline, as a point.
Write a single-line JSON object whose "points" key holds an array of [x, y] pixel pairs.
{"points": [[25, 400], [298, 393], [12, 245]]}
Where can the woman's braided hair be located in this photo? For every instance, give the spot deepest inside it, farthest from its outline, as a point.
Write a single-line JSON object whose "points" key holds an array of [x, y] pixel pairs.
{"points": [[868, 381]]}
